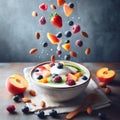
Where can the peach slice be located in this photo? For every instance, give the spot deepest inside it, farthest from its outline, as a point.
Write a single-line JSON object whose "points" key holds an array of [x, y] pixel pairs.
{"points": [[67, 10], [60, 2], [16, 84], [105, 75], [66, 46], [52, 38]]}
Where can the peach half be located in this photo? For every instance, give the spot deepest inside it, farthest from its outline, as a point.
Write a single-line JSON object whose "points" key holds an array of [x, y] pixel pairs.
{"points": [[105, 75], [16, 84]]}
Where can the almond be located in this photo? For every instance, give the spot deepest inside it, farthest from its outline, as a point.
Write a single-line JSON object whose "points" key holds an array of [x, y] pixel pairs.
{"points": [[53, 7], [73, 54], [53, 58], [33, 51], [107, 90], [87, 51], [37, 35], [25, 99], [42, 103], [89, 110], [32, 93], [34, 14], [84, 34]]}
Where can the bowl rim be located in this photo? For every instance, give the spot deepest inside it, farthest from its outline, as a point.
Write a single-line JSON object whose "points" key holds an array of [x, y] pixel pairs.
{"points": [[57, 87]]}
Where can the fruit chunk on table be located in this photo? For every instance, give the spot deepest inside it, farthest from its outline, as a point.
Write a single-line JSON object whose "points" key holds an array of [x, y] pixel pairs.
{"points": [[67, 10], [16, 84], [105, 75], [52, 38]]}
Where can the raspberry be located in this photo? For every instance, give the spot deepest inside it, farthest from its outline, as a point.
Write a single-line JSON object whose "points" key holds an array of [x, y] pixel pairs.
{"points": [[70, 82], [42, 20], [10, 108], [43, 7], [75, 29], [57, 79]]}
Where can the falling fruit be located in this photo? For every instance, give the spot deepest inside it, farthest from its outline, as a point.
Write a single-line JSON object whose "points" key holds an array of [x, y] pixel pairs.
{"points": [[66, 46]]}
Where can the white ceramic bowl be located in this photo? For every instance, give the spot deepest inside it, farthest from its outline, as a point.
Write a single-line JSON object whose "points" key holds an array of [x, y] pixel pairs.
{"points": [[59, 93]]}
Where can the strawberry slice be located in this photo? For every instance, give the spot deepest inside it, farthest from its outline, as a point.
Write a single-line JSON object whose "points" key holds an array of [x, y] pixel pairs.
{"points": [[56, 20], [52, 38], [60, 2]]}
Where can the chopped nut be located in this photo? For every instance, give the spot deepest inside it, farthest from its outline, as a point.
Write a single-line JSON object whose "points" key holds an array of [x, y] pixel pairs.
{"points": [[53, 58], [32, 93], [107, 90], [42, 103], [33, 51], [25, 100], [53, 6], [87, 51], [89, 110], [34, 14]]}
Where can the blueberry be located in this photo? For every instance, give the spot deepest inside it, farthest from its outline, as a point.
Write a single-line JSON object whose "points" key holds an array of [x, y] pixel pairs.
{"points": [[101, 115], [60, 66], [39, 77], [54, 75], [70, 82], [41, 114], [84, 78], [59, 35], [67, 41], [16, 98], [71, 5], [36, 70], [68, 33], [45, 44], [70, 23], [53, 113], [67, 57], [25, 110]]}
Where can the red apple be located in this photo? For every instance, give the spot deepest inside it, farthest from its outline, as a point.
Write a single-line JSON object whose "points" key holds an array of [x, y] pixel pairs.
{"points": [[105, 75], [16, 84]]}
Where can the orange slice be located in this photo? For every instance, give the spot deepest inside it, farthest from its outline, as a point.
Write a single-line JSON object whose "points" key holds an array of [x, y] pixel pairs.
{"points": [[66, 46]]}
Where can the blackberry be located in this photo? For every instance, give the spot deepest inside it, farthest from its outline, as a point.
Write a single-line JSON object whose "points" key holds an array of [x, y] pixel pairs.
{"points": [[25, 110]]}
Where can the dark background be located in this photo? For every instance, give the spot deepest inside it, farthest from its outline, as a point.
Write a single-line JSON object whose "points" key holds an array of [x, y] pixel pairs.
{"points": [[99, 18]]}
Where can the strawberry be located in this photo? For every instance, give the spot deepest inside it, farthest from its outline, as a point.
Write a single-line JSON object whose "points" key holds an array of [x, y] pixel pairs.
{"points": [[43, 7], [56, 20]]}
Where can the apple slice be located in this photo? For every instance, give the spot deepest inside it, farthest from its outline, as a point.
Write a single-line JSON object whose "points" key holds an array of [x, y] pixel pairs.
{"points": [[105, 75], [16, 84], [67, 10], [66, 46], [60, 2], [52, 38]]}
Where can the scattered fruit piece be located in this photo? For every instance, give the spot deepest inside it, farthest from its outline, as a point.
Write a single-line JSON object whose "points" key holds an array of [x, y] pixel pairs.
{"points": [[16, 98], [42, 20], [84, 34], [79, 43], [58, 52], [53, 7], [89, 110], [67, 10], [71, 5], [41, 114], [102, 84], [33, 51], [37, 35], [34, 14], [52, 58], [73, 54], [25, 99], [59, 35], [87, 51], [107, 90], [56, 20], [105, 75], [43, 7], [53, 113], [32, 92], [67, 57], [78, 74], [53, 39], [70, 23], [16, 84], [45, 44], [42, 103], [66, 46], [60, 2], [75, 29], [67, 41], [68, 33], [25, 109], [10, 108]]}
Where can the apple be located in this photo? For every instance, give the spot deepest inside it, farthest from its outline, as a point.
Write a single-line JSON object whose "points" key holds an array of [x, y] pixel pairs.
{"points": [[16, 84], [105, 75]]}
